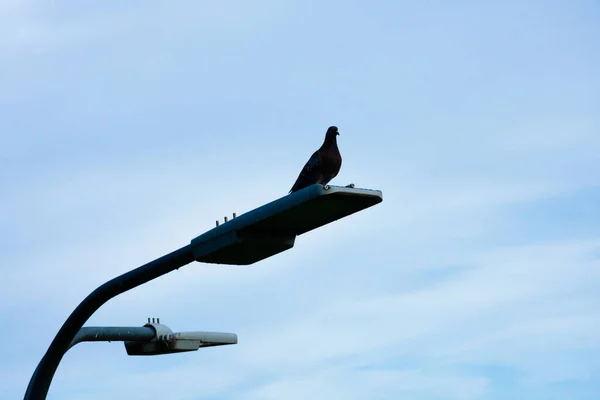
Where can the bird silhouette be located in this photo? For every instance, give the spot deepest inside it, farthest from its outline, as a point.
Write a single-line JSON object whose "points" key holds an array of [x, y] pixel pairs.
{"points": [[323, 165]]}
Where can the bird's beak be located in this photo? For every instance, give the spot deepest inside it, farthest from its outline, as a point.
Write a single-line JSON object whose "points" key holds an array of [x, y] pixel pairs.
{"points": [[337, 133]]}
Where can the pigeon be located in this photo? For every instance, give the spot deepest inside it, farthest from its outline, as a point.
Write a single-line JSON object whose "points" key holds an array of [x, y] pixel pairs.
{"points": [[323, 165]]}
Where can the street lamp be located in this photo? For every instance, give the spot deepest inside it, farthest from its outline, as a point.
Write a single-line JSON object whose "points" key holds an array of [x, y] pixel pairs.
{"points": [[251, 237], [153, 338], [272, 228]]}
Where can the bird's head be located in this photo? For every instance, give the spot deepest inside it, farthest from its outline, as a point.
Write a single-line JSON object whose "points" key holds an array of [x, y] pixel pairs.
{"points": [[332, 132]]}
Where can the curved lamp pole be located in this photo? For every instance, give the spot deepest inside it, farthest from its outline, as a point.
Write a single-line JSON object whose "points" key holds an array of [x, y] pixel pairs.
{"points": [[251, 237], [40, 381]]}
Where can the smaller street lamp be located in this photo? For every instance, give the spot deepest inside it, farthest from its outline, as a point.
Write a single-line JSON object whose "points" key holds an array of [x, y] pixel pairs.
{"points": [[153, 338], [167, 342]]}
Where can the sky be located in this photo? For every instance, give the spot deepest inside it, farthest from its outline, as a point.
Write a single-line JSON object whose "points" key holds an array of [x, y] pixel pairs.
{"points": [[128, 128]]}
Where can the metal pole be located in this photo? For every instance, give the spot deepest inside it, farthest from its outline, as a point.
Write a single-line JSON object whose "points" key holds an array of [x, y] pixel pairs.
{"points": [[113, 333], [42, 377]]}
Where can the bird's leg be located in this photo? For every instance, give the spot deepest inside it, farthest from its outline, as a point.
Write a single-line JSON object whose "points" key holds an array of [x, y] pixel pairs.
{"points": [[350, 186]]}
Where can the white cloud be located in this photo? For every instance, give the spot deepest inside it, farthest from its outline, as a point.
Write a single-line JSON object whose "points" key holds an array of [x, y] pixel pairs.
{"points": [[525, 307], [30, 27], [339, 383]]}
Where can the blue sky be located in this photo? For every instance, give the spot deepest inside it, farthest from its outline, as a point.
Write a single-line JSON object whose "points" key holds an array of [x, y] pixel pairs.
{"points": [[128, 129]]}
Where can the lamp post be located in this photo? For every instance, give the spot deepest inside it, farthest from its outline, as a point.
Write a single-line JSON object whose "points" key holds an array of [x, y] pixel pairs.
{"points": [[251, 237]]}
